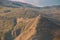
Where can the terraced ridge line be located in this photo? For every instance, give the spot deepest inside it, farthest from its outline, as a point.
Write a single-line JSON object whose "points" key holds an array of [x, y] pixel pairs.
{"points": [[29, 31]]}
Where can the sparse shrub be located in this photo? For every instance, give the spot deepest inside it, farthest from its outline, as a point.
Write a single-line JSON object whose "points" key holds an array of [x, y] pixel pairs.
{"points": [[6, 11]]}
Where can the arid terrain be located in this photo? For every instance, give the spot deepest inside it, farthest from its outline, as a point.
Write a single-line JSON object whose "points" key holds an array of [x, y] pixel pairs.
{"points": [[29, 22]]}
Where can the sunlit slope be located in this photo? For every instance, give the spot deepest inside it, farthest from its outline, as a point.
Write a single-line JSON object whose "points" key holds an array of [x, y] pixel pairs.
{"points": [[29, 30]]}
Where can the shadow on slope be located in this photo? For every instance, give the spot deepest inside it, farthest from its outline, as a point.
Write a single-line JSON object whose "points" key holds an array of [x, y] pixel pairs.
{"points": [[46, 30]]}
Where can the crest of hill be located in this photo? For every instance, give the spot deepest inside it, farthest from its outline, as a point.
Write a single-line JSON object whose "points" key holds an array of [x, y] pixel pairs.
{"points": [[15, 4]]}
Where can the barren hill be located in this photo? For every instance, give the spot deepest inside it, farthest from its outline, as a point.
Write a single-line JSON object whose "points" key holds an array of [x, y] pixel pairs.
{"points": [[38, 28], [28, 22]]}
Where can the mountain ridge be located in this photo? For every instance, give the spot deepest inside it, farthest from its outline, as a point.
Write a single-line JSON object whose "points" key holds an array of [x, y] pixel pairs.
{"points": [[15, 4]]}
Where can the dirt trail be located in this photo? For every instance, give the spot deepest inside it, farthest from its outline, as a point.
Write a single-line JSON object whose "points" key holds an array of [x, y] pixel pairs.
{"points": [[29, 30]]}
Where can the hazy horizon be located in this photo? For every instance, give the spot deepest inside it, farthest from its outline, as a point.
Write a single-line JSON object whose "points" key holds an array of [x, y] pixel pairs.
{"points": [[41, 3]]}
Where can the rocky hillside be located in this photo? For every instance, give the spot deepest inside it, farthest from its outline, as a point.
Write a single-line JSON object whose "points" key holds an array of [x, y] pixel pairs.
{"points": [[21, 21], [38, 28]]}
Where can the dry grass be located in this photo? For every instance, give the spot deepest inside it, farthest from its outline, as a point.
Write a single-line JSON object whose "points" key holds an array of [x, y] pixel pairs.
{"points": [[29, 30], [25, 19]]}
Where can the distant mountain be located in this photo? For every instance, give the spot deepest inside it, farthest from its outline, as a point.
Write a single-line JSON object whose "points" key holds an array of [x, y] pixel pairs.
{"points": [[15, 4]]}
